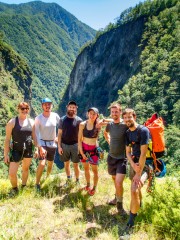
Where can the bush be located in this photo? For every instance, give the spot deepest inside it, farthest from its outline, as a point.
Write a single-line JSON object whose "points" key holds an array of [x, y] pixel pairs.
{"points": [[162, 211]]}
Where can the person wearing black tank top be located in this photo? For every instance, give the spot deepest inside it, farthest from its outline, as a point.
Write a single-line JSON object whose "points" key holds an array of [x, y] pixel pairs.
{"points": [[87, 143], [19, 131]]}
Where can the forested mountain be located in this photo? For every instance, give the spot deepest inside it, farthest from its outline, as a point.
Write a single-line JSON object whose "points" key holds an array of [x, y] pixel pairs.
{"points": [[139, 56], [49, 38], [15, 85]]}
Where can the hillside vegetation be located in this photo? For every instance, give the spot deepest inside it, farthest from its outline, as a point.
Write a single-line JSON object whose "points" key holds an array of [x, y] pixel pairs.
{"points": [[156, 87], [15, 85], [66, 213], [49, 38]]}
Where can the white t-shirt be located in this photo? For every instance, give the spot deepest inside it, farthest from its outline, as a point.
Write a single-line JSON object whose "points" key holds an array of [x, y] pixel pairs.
{"points": [[45, 129]]}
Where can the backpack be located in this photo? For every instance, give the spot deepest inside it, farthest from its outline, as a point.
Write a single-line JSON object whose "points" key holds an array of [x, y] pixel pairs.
{"points": [[156, 127], [156, 146]]}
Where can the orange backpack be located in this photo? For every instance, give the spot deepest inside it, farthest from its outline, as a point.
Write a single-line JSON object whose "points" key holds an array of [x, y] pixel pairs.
{"points": [[156, 127]]}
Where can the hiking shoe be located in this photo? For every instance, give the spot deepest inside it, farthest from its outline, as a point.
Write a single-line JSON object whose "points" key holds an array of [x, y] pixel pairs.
{"points": [[126, 233], [38, 188], [120, 209], [86, 188], [68, 184], [112, 202], [91, 192], [13, 192]]}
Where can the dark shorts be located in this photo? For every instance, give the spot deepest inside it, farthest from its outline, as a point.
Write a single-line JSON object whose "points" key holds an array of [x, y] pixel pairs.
{"points": [[17, 156], [70, 152], [50, 153], [91, 150], [116, 165]]}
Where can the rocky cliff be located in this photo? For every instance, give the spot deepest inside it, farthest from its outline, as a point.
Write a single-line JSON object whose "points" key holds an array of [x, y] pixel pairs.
{"points": [[103, 68]]}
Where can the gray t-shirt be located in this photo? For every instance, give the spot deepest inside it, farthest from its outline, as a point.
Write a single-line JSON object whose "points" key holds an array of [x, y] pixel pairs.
{"points": [[117, 133]]}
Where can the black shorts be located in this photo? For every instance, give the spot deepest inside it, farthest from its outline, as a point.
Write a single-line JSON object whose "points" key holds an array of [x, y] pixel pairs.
{"points": [[17, 156], [116, 165], [50, 153]]}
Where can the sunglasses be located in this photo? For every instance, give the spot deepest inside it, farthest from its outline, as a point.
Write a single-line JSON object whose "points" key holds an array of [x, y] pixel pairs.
{"points": [[24, 109]]}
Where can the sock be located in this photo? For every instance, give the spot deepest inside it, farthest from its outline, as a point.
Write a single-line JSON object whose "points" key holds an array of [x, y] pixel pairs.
{"points": [[88, 184], [131, 219], [69, 177], [77, 179]]}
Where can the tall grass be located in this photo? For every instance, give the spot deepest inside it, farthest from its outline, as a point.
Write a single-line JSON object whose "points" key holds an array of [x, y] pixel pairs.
{"points": [[67, 213]]}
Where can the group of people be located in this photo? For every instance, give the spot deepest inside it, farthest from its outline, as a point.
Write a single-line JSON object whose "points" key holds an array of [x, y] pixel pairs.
{"points": [[77, 141]]}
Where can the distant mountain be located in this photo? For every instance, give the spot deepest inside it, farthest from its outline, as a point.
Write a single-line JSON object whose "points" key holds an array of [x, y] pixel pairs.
{"points": [[134, 62], [15, 85], [49, 38]]}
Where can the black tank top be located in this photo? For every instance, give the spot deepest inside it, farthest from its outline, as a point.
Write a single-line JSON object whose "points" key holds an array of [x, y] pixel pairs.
{"points": [[93, 133], [22, 136]]}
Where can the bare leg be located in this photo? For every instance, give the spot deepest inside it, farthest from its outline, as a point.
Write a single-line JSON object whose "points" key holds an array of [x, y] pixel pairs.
{"points": [[67, 168], [25, 169], [13, 168], [76, 170], [49, 167], [95, 172], [39, 171], [119, 184], [87, 172]]}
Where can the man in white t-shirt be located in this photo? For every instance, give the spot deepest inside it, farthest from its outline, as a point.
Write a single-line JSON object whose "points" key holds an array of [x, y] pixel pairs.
{"points": [[45, 130]]}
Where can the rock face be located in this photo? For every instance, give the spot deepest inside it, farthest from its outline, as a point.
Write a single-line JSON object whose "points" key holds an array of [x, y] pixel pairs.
{"points": [[103, 68]]}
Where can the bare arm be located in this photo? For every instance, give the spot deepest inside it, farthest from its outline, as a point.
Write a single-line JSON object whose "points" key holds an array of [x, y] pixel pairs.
{"points": [[9, 128], [60, 150], [80, 138], [107, 136], [142, 158]]}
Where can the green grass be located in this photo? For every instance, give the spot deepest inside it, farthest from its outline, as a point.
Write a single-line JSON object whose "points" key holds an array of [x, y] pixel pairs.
{"points": [[59, 213]]}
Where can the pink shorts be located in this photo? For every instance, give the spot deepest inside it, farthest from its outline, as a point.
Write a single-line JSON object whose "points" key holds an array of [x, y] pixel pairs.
{"points": [[90, 152]]}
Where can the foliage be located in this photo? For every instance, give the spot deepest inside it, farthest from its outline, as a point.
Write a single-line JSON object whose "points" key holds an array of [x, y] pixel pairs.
{"points": [[91, 217], [162, 210], [172, 159], [49, 38], [16, 79], [155, 88]]}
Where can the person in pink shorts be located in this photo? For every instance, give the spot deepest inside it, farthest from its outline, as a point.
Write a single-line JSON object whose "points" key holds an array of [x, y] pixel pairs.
{"points": [[87, 144]]}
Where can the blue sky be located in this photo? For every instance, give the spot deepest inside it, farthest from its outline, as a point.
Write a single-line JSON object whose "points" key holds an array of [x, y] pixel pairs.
{"points": [[95, 13]]}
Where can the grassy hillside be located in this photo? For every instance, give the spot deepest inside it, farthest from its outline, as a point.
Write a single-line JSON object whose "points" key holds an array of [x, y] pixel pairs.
{"points": [[15, 85], [49, 38], [58, 213]]}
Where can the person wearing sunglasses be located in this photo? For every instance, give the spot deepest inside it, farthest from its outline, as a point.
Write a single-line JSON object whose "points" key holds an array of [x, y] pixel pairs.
{"points": [[19, 145]]}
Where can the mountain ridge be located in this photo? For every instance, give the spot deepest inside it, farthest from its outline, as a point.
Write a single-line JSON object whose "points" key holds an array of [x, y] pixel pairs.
{"points": [[47, 43]]}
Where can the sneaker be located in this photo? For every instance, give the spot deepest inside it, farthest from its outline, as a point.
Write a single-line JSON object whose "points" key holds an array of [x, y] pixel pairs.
{"points": [[120, 209], [68, 183], [38, 188], [112, 202], [126, 233], [91, 192], [13, 192], [86, 188]]}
